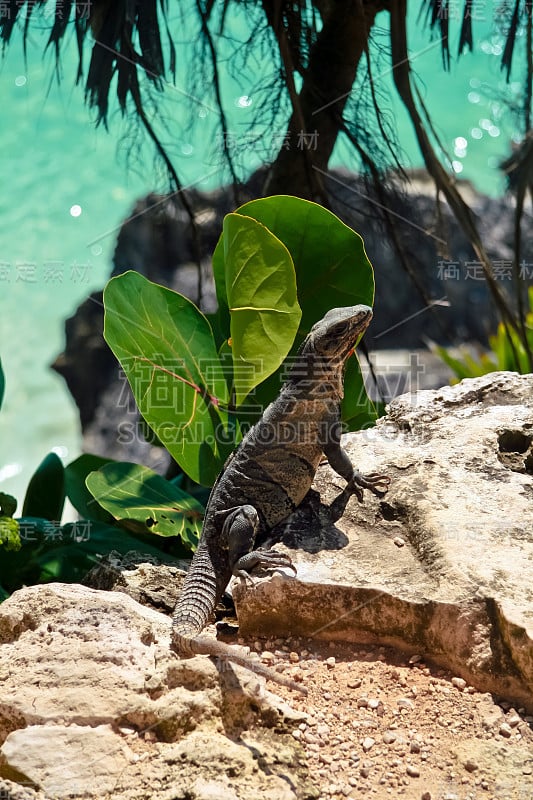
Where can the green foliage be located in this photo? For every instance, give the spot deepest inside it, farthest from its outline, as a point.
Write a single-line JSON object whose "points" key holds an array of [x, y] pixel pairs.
{"points": [[281, 263], [9, 533], [331, 269], [77, 492], [142, 500], [37, 548], [8, 505], [330, 262], [507, 353], [45, 495], [9, 528], [166, 348], [257, 286], [53, 552]]}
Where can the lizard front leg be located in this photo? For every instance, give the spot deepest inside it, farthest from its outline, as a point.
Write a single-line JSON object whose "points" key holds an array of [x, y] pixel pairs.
{"points": [[239, 530], [238, 535], [338, 458]]}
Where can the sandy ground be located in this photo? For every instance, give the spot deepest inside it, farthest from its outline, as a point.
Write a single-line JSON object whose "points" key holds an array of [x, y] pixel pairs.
{"points": [[382, 724]]}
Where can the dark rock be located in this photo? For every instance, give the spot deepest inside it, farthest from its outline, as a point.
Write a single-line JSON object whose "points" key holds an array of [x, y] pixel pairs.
{"points": [[440, 263], [87, 364]]}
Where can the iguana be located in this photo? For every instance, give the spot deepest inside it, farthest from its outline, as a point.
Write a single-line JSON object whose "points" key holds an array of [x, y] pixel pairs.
{"points": [[268, 476]]}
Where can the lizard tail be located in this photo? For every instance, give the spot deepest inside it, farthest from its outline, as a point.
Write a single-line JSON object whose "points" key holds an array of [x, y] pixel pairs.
{"points": [[267, 672], [187, 646], [204, 645], [196, 603], [192, 613]]}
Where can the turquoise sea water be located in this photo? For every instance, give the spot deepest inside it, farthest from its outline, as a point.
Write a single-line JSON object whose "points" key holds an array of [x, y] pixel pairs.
{"points": [[66, 187]]}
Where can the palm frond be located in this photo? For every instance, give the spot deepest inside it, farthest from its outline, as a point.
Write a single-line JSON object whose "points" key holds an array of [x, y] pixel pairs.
{"points": [[437, 16], [466, 39], [9, 16], [115, 26], [507, 57]]}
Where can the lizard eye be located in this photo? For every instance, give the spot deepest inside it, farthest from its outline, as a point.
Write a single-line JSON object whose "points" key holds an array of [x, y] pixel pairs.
{"points": [[340, 330]]}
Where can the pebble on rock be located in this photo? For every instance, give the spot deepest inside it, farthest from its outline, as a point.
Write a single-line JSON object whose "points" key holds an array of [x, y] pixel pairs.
{"points": [[125, 730], [266, 655], [294, 657], [459, 683], [404, 702], [354, 683], [505, 730]]}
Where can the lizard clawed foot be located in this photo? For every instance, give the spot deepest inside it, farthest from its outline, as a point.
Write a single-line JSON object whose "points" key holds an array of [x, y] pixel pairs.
{"points": [[262, 560], [375, 482]]}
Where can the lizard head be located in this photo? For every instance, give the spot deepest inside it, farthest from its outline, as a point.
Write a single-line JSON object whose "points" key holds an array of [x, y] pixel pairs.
{"points": [[335, 335]]}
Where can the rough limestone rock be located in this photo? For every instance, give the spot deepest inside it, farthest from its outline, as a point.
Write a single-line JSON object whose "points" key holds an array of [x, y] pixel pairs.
{"points": [[143, 577], [84, 756], [94, 704], [443, 565], [10, 790]]}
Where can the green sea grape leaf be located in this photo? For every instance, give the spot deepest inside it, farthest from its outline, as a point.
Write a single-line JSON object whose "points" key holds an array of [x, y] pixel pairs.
{"points": [[332, 267], [262, 302], [167, 351], [332, 270], [357, 409], [140, 499], [77, 492], [222, 322], [45, 495]]}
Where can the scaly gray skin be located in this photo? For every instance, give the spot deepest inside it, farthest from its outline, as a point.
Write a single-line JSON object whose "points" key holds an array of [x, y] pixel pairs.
{"points": [[268, 476]]}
